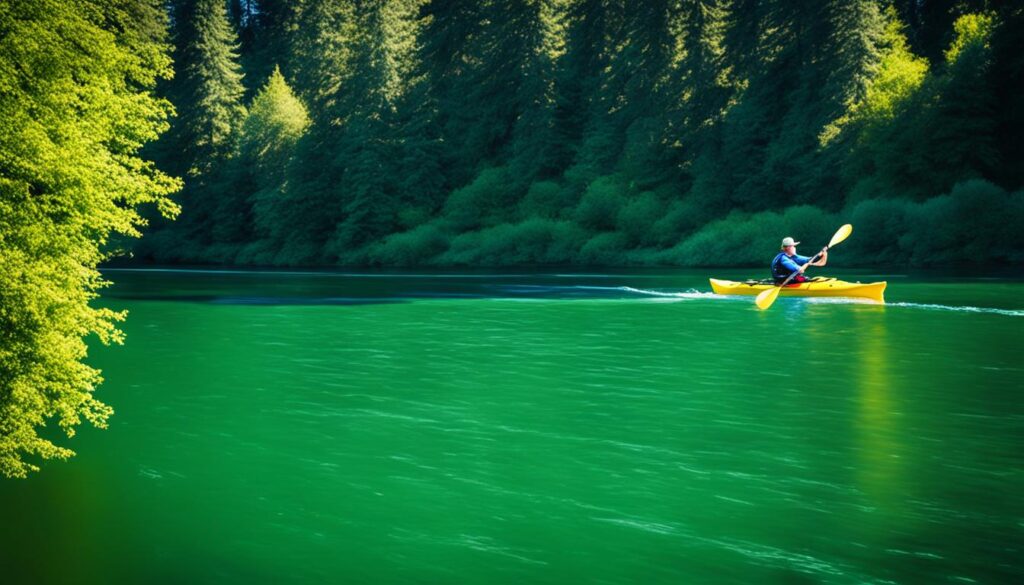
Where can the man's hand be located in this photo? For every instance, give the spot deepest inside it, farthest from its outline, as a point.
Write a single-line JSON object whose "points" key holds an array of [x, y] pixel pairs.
{"points": [[822, 257]]}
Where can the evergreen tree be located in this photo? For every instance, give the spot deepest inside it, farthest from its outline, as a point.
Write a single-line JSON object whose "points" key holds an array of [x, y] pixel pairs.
{"points": [[321, 57], [703, 86], [483, 102], [443, 60], [961, 136], [703, 83], [208, 88], [248, 207], [275, 122], [587, 55], [369, 150], [640, 71], [265, 29], [539, 150], [419, 173], [599, 36], [870, 139], [207, 91]]}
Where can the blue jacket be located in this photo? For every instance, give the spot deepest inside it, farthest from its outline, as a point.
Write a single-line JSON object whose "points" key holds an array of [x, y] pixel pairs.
{"points": [[783, 265]]}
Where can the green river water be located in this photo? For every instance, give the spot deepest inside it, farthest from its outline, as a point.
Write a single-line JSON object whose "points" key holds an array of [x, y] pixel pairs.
{"points": [[513, 427]]}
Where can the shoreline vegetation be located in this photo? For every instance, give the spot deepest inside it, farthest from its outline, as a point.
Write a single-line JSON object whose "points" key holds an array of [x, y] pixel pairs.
{"points": [[396, 133], [930, 234]]}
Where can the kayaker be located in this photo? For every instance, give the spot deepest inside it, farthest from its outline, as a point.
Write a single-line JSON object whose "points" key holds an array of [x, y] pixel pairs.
{"points": [[788, 261]]}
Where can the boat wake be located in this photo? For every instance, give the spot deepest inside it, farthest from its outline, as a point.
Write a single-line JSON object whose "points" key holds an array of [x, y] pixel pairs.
{"points": [[613, 292], [694, 294], [687, 294], [964, 309], [924, 306]]}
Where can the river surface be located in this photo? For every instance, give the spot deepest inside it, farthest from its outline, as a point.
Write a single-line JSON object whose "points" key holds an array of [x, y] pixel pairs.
{"points": [[515, 427]]}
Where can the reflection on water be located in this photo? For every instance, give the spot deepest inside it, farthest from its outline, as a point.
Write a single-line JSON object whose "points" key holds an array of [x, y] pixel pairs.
{"points": [[880, 476]]}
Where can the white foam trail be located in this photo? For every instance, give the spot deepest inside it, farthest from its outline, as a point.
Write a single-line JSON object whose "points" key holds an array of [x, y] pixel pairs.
{"points": [[624, 288], [926, 306], [965, 309], [688, 294], [695, 294]]}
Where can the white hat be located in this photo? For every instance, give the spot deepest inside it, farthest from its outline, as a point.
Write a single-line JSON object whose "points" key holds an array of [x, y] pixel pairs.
{"points": [[787, 241]]}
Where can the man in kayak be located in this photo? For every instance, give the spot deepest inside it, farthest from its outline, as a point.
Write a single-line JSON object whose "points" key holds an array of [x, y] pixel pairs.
{"points": [[788, 261]]}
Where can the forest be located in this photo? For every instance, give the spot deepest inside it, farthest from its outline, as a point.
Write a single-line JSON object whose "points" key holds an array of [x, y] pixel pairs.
{"points": [[591, 132]]}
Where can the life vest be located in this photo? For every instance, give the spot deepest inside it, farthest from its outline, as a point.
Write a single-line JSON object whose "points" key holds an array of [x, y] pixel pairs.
{"points": [[780, 272]]}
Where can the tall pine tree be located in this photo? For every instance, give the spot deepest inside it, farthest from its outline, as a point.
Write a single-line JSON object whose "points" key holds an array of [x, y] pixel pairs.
{"points": [[207, 91], [208, 87]]}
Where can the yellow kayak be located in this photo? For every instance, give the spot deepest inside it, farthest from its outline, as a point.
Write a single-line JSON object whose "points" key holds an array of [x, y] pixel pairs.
{"points": [[819, 287]]}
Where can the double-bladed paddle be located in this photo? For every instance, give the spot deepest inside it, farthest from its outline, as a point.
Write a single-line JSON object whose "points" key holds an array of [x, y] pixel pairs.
{"points": [[766, 298]]}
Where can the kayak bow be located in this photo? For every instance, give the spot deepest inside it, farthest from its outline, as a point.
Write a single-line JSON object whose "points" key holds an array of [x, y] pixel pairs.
{"points": [[819, 287]]}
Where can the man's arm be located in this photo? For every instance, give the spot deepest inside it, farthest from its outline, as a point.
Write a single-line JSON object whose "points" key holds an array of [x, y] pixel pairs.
{"points": [[800, 263]]}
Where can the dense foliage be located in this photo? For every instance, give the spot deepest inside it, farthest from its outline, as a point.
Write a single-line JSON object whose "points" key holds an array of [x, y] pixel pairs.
{"points": [[681, 132], [76, 105]]}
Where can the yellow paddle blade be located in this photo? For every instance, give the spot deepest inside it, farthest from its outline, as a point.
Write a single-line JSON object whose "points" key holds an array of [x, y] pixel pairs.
{"points": [[843, 233], [767, 297]]}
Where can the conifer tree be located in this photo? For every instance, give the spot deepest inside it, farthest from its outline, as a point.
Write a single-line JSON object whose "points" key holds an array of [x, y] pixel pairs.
{"points": [[539, 150], [321, 54], [274, 123], [208, 91], [703, 86], [208, 88], [601, 33], [641, 70], [961, 136], [442, 60], [370, 149], [579, 77]]}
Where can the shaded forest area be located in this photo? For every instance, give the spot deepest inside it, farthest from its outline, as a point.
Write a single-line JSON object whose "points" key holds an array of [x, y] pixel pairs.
{"points": [[677, 132]]}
